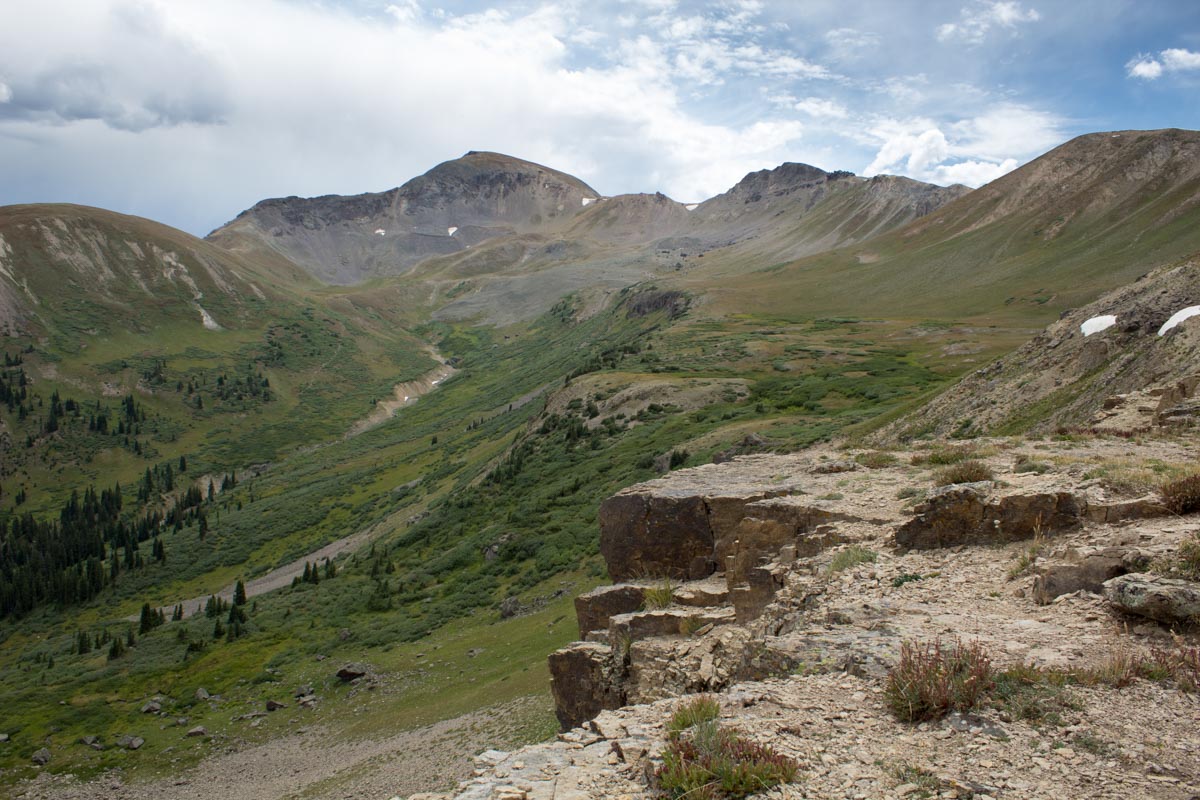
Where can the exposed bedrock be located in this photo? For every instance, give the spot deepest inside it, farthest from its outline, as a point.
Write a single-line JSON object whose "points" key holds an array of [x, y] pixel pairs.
{"points": [[970, 513]]}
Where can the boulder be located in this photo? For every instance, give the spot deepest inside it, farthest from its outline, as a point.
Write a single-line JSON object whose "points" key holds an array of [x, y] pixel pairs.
{"points": [[594, 609], [41, 757], [585, 679], [352, 672], [152, 707], [509, 607], [1168, 600], [202, 694], [1088, 574], [129, 742], [301, 691], [199, 730], [275, 705], [966, 513], [3, 738]]}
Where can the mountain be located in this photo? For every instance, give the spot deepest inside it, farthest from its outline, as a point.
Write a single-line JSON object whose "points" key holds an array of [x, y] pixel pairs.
{"points": [[1069, 374], [78, 271], [455, 205], [1085, 217]]}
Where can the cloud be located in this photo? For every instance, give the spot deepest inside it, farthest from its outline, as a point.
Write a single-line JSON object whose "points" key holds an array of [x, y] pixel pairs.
{"points": [[973, 151], [975, 22], [1148, 67], [817, 107], [107, 77], [234, 111], [5, 92]]}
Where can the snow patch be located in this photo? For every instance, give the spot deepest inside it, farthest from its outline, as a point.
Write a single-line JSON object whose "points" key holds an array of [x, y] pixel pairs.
{"points": [[1178, 317], [450, 231], [586, 201], [5, 251], [380, 232], [207, 320], [692, 206], [1097, 324]]}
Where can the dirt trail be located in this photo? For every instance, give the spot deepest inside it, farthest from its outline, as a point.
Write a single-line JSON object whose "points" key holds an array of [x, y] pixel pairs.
{"points": [[315, 764], [280, 577], [404, 394]]}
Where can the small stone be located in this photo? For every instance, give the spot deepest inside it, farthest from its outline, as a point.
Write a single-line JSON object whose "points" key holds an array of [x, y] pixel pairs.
{"points": [[41, 757]]}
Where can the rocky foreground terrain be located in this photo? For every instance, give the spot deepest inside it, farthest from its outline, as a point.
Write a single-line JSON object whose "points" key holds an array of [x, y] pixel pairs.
{"points": [[786, 585]]}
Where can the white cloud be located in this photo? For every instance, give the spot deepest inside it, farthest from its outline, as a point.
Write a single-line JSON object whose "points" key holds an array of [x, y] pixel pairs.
{"points": [[1175, 59], [817, 107], [971, 151], [384, 98], [851, 39], [5, 92], [405, 11], [975, 22]]}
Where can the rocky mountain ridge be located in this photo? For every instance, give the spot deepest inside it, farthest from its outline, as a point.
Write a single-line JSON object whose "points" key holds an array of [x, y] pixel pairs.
{"points": [[829, 569]]}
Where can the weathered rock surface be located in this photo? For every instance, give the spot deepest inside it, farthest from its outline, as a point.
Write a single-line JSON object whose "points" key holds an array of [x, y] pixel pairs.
{"points": [[41, 757], [594, 609], [968, 513], [585, 679], [352, 672], [1168, 600], [1088, 574]]}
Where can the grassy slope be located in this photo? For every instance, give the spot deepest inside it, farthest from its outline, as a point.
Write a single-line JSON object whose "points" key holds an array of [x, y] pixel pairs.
{"points": [[810, 377]]}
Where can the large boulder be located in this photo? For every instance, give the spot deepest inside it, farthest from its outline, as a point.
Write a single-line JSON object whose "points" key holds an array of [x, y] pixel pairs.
{"points": [[967, 513], [585, 679], [1089, 574], [1169, 600]]}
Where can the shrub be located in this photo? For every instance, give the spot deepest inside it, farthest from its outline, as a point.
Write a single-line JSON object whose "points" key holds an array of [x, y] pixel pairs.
{"points": [[660, 596], [1188, 557], [852, 556], [943, 456], [906, 577], [876, 459], [965, 472], [1182, 496], [693, 712], [705, 760], [929, 681]]}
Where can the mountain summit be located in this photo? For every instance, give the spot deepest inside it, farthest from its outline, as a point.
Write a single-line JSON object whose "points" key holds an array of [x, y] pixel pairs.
{"points": [[456, 204]]}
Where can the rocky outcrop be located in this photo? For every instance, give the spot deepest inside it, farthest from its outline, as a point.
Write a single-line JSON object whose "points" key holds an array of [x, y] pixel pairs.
{"points": [[1168, 600], [968, 513], [1088, 574], [585, 679]]}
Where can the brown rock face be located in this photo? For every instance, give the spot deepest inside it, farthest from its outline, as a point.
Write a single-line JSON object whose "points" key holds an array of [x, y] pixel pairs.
{"points": [[651, 536], [585, 679], [965, 514], [594, 609], [1089, 575]]}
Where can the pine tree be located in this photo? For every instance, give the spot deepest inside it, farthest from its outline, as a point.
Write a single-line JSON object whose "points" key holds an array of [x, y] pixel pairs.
{"points": [[239, 594]]}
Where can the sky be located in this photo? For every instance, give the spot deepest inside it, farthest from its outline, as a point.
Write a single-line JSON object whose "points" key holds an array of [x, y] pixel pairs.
{"points": [[190, 111]]}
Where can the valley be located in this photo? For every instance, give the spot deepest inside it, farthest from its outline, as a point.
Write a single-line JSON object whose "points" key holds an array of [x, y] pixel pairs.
{"points": [[397, 444]]}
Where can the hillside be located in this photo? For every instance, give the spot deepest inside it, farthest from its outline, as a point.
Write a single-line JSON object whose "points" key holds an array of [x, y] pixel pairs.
{"points": [[405, 474], [1070, 376], [1088, 216]]}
